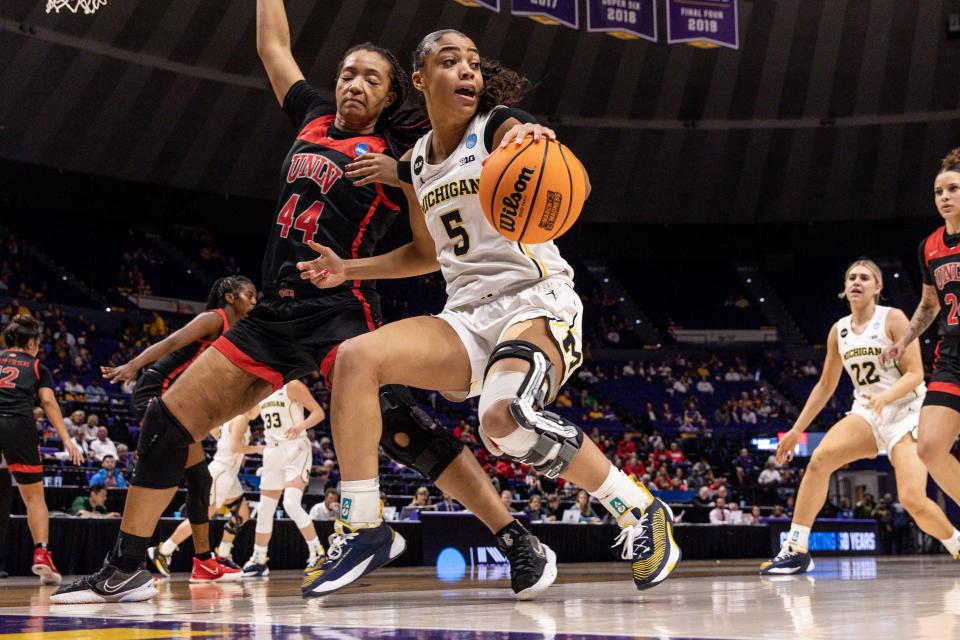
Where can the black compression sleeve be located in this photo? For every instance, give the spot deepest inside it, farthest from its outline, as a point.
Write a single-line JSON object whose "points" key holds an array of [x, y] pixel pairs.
{"points": [[498, 117]]}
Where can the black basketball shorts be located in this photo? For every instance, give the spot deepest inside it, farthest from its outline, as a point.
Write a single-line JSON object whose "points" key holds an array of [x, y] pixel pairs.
{"points": [[283, 339], [944, 387], [149, 386], [19, 446]]}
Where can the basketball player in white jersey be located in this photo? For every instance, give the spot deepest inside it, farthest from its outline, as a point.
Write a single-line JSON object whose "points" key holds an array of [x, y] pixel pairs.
{"points": [[884, 417], [509, 333], [233, 443], [287, 459]]}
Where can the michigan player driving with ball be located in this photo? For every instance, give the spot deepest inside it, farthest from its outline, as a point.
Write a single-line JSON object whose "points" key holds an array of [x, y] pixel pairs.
{"points": [[509, 333], [884, 417]]}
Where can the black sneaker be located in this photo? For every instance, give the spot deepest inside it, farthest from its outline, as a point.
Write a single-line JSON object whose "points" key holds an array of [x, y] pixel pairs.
{"points": [[109, 584], [533, 566]]}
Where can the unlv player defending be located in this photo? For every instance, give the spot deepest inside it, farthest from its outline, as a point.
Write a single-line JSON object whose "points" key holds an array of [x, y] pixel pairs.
{"points": [[22, 378], [940, 268]]}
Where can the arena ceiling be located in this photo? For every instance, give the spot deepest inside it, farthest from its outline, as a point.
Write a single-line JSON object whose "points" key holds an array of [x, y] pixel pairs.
{"points": [[829, 109]]}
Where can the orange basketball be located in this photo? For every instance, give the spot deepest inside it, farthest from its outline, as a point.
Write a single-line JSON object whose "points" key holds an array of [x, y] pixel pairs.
{"points": [[532, 193]]}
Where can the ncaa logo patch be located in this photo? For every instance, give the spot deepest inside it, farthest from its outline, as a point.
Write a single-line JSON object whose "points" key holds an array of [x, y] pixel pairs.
{"points": [[345, 506], [471, 141], [843, 333], [876, 325], [418, 165], [360, 149]]}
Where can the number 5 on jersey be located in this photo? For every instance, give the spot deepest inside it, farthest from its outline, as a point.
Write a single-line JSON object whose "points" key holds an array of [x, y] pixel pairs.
{"points": [[305, 222], [453, 223]]}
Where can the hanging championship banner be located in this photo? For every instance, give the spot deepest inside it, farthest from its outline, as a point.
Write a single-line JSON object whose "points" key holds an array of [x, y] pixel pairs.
{"points": [[565, 12], [703, 23], [625, 19], [493, 5]]}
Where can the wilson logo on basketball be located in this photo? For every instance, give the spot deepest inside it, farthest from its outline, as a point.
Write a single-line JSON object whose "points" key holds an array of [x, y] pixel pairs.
{"points": [[318, 168], [512, 202]]}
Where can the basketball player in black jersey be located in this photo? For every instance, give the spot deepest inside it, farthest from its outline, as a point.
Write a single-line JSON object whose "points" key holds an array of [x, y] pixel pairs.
{"points": [[940, 268], [230, 299], [23, 378], [296, 328]]}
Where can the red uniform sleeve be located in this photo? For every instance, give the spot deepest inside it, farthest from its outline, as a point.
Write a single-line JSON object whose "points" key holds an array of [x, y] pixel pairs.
{"points": [[924, 271], [303, 103]]}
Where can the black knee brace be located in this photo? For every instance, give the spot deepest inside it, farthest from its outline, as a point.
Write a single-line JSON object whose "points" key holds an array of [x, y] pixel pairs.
{"points": [[236, 523], [429, 448], [161, 450], [198, 493]]}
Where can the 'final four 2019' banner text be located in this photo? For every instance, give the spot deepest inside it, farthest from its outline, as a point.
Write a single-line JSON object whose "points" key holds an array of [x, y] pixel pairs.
{"points": [[703, 23]]}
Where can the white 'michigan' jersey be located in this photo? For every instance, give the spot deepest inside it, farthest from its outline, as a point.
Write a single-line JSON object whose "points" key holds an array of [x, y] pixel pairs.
{"points": [[477, 263], [279, 413], [225, 453]]}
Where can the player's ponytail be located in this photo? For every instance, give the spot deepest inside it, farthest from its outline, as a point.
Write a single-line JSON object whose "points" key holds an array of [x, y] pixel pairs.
{"points": [[951, 161], [873, 268], [401, 129], [20, 331], [501, 85], [217, 298]]}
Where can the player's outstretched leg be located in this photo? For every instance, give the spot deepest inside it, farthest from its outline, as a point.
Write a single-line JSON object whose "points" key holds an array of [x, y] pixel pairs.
{"points": [[412, 437]]}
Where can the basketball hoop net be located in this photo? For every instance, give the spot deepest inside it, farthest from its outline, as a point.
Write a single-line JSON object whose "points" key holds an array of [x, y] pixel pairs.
{"points": [[88, 6]]}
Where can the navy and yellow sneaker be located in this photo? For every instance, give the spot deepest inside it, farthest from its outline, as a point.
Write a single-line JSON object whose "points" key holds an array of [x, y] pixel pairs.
{"points": [[109, 584], [160, 561], [650, 545], [788, 562], [314, 562], [353, 553], [253, 569]]}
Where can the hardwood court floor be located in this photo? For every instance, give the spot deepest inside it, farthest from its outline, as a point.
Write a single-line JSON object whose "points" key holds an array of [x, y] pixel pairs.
{"points": [[906, 597]]}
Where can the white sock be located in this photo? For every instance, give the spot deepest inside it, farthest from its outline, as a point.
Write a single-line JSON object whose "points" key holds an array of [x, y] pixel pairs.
{"points": [[259, 554], [360, 502], [799, 537], [315, 548], [167, 548], [952, 543], [225, 549], [619, 494]]}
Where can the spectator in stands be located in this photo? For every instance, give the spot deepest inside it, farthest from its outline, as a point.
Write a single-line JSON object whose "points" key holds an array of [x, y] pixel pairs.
{"points": [[103, 446], [629, 370], [93, 505], [846, 510], [676, 454], [328, 508], [778, 513], [744, 460], [326, 451], [506, 497], [865, 507], [719, 513], [73, 390], [76, 422], [756, 516], [788, 506], [741, 483], [662, 479], [735, 514], [633, 467], [109, 476], [91, 428], [810, 370], [585, 509], [705, 386], [95, 391], [731, 375], [703, 498], [770, 476], [421, 498], [534, 508], [447, 503], [554, 510], [124, 457]]}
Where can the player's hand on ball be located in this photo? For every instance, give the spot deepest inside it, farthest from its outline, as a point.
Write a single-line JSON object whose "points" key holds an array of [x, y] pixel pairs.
{"points": [[324, 271], [75, 453], [787, 445], [124, 373], [518, 132], [876, 403], [892, 354], [373, 167]]}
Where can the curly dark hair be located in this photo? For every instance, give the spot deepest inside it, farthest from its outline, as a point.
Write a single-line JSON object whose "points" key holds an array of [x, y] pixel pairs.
{"points": [[501, 85], [20, 331], [400, 129], [217, 298], [951, 161]]}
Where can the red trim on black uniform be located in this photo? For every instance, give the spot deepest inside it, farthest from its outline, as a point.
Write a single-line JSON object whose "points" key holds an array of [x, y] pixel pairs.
{"points": [[25, 468], [173, 375], [327, 364], [935, 247], [945, 387], [317, 132], [248, 364]]}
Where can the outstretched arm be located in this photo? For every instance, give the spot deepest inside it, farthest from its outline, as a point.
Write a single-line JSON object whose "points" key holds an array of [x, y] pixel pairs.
{"points": [[206, 324], [273, 47]]}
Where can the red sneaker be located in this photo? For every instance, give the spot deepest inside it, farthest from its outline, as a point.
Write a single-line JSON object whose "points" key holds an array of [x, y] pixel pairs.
{"points": [[43, 567], [210, 570]]}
